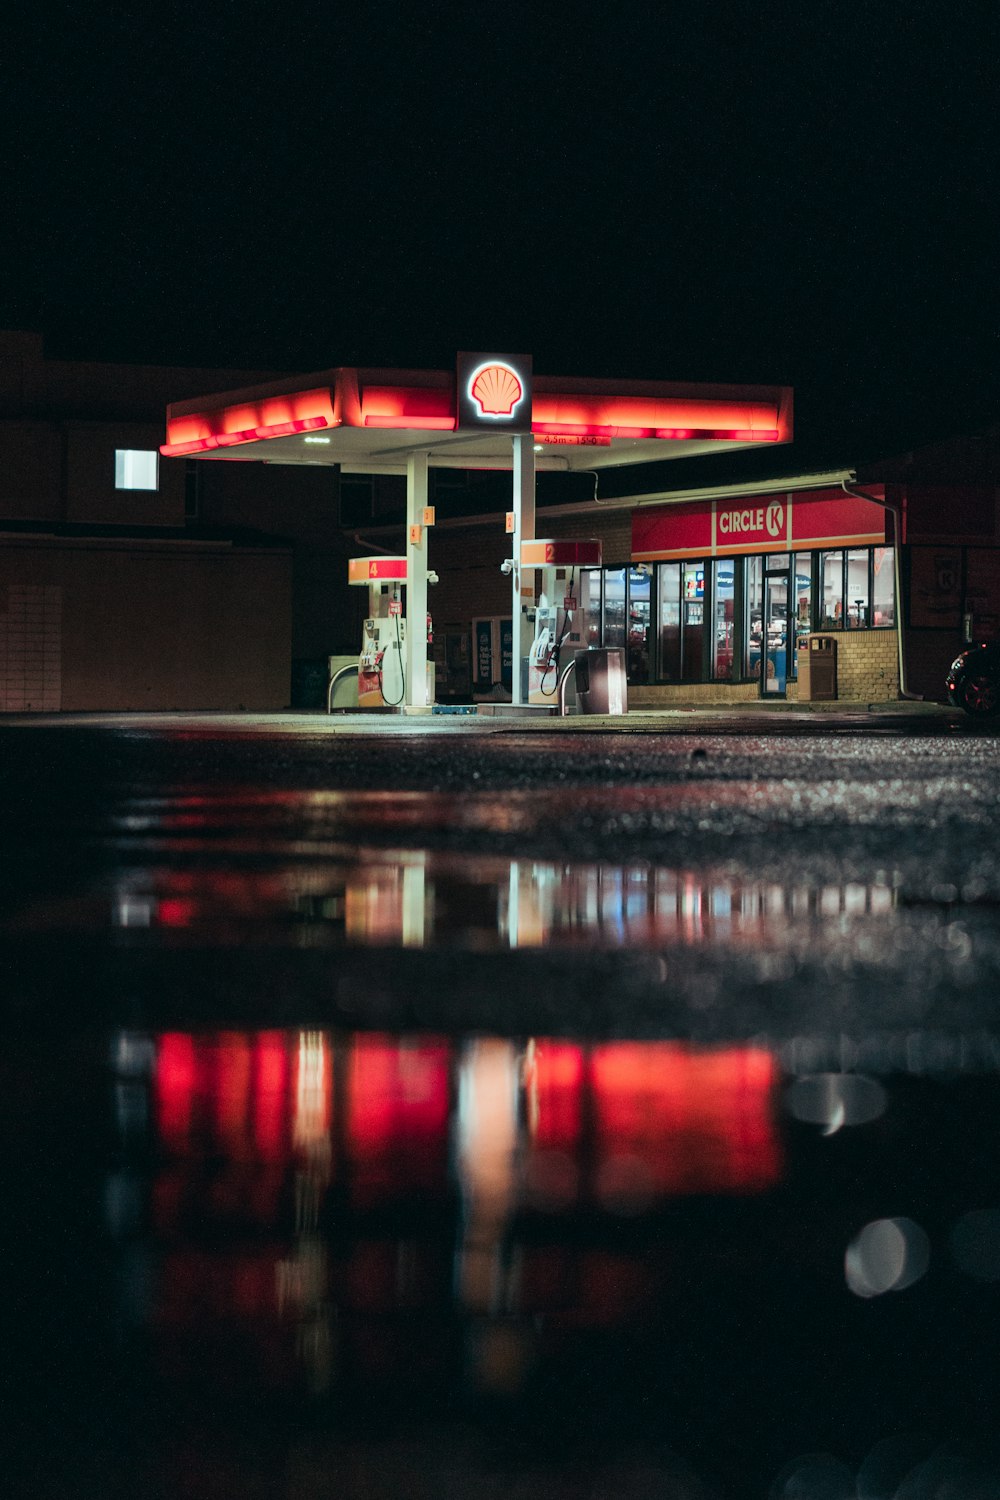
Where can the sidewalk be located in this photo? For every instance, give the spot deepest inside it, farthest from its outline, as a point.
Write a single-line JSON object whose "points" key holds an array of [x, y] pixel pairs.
{"points": [[758, 715]]}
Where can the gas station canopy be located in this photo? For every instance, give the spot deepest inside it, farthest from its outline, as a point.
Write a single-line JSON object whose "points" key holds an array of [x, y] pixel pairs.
{"points": [[371, 421], [490, 413]]}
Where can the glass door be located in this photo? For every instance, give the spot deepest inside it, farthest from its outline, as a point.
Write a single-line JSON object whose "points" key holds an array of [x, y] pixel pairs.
{"points": [[775, 641]]}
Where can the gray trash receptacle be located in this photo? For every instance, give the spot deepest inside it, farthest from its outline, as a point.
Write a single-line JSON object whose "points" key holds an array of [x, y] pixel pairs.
{"points": [[601, 687], [817, 659]]}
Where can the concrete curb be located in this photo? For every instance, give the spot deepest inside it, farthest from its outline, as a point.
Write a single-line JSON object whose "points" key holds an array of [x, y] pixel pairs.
{"points": [[678, 717]]}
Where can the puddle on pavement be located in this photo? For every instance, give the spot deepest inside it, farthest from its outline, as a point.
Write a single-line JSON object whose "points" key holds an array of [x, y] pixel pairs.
{"points": [[372, 1256], [417, 898], [331, 1254]]}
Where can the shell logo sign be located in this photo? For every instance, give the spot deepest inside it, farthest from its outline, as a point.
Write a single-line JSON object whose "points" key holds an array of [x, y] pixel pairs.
{"points": [[497, 390], [494, 391]]}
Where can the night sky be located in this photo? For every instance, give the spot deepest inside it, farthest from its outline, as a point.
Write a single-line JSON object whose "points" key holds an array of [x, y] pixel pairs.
{"points": [[762, 193]]}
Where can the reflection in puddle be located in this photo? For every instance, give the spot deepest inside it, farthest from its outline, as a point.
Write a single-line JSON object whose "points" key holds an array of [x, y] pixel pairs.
{"points": [[730, 1252], [334, 1202], [417, 899]]}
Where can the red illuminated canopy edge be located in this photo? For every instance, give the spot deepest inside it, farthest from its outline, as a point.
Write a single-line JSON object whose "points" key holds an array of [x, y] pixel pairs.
{"points": [[424, 401]]}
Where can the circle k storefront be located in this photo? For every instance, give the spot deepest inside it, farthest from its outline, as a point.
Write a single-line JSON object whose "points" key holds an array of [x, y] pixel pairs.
{"points": [[722, 592]]}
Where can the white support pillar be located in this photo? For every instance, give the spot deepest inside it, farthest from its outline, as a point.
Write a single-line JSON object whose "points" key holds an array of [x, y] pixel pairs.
{"points": [[416, 582], [524, 531]]}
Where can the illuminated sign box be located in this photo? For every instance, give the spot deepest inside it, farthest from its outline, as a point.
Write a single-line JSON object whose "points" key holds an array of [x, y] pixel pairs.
{"points": [[376, 570], [560, 553], [494, 391]]}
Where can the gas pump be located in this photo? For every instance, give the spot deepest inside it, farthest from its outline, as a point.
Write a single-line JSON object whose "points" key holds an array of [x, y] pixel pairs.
{"points": [[546, 648], [382, 662], [560, 610]]}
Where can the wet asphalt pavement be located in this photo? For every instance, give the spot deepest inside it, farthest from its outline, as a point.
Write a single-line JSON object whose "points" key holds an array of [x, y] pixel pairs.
{"points": [[501, 1109], [825, 819]]}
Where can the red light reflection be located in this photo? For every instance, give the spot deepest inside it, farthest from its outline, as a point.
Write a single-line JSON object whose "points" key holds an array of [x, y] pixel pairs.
{"points": [[698, 1122], [431, 1151], [397, 1115]]}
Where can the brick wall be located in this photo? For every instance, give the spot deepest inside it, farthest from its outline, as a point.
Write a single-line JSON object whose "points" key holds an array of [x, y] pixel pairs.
{"points": [[663, 694], [30, 648], [867, 667]]}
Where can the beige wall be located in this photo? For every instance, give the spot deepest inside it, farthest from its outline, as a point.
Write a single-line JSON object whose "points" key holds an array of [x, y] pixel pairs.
{"points": [[867, 665], [91, 626], [663, 694]]}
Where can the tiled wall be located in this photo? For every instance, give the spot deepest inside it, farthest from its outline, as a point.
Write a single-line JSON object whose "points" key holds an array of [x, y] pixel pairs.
{"points": [[867, 666], [31, 648]]}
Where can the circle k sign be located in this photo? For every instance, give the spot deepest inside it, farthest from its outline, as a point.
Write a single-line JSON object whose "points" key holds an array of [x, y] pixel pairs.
{"points": [[769, 519]]}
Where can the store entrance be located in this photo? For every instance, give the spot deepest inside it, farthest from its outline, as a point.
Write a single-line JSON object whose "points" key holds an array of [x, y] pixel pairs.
{"points": [[775, 639]]}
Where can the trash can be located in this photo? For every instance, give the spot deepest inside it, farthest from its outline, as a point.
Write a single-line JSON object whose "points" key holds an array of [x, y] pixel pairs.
{"points": [[601, 687], [817, 659]]}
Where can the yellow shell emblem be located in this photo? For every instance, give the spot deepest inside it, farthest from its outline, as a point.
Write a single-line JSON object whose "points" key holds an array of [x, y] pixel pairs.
{"points": [[497, 390]]}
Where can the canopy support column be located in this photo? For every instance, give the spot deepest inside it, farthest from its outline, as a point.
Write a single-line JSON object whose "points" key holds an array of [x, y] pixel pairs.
{"points": [[524, 531], [416, 581]]}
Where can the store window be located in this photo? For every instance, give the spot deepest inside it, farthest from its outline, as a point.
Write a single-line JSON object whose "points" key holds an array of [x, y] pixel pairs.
{"points": [[857, 589], [590, 603], [803, 594], [669, 616], [856, 612], [753, 617], [137, 469], [724, 638], [692, 620], [709, 615], [640, 577], [831, 572], [683, 595], [614, 606], [883, 587]]}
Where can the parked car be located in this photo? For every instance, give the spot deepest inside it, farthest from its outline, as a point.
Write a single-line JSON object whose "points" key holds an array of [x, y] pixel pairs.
{"points": [[973, 680]]}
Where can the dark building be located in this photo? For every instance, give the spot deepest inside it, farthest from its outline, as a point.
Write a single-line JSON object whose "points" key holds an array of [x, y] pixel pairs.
{"points": [[127, 582]]}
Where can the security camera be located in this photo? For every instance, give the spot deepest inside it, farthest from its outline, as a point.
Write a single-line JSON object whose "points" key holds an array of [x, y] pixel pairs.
{"points": [[507, 566]]}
